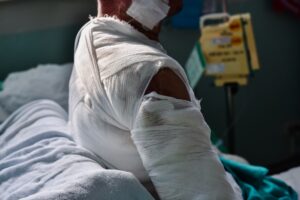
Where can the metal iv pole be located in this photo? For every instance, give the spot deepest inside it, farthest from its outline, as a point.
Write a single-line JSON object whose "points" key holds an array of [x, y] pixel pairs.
{"points": [[231, 90]]}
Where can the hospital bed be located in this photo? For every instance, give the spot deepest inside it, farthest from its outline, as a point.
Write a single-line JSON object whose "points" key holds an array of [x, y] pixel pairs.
{"points": [[48, 164]]}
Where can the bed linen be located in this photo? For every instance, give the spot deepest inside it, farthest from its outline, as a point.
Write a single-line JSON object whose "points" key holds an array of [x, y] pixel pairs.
{"points": [[292, 178], [256, 184], [39, 160]]}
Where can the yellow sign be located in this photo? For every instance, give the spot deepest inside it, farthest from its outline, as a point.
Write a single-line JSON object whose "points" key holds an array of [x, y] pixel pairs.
{"points": [[229, 48]]}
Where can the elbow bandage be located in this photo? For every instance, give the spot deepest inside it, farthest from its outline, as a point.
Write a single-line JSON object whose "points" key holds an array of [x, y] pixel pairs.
{"points": [[173, 140]]}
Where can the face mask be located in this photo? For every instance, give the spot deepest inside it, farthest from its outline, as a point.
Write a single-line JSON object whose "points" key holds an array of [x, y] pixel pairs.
{"points": [[149, 12]]}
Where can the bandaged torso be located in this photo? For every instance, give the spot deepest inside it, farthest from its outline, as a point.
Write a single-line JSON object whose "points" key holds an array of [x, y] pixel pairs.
{"points": [[111, 116]]}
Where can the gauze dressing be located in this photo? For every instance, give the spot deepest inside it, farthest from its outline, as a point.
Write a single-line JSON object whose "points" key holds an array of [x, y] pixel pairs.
{"points": [[173, 140], [149, 12]]}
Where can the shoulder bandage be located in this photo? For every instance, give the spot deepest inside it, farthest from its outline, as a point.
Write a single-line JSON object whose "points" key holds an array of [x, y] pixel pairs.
{"points": [[173, 140]]}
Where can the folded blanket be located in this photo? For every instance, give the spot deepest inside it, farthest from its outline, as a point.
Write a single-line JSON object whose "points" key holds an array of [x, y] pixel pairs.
{"points": [[39, 160], [255, 183]]}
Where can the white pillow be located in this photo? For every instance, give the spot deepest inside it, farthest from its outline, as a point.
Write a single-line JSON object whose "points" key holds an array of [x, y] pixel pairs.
{"points": [[47, 81]]}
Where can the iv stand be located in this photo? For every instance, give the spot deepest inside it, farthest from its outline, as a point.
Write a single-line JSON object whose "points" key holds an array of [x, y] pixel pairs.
{"points": [[231, 90], [224, 6]]}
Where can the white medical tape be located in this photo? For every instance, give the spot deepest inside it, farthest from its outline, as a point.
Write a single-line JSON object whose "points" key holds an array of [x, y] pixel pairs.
{"points": [[148, 12]]}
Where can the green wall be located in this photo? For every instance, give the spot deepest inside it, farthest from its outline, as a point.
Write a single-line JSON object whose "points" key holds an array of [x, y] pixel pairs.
{"points": [[35, 31], [23, 50]]}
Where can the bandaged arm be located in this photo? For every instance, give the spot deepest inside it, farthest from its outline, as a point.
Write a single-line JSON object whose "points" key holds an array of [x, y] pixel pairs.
{"points": [[173, 141]]}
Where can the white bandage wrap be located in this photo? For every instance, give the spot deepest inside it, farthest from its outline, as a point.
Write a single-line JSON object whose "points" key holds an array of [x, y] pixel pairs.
{"points": [[173, 140], [148, 12]]}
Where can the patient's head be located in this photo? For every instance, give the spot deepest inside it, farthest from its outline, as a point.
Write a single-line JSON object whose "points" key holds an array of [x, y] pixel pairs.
{"points": [[113, 7], [175, 7], [144, 15], [119, 7]]}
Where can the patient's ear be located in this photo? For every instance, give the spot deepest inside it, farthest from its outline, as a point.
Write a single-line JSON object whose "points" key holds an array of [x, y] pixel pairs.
{"points": [[167, 83]]}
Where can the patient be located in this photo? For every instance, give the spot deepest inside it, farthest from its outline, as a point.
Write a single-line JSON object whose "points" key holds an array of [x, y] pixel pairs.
{"points": [[131, 104]]}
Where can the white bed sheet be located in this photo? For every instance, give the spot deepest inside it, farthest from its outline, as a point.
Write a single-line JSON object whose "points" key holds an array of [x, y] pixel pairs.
{"points": [[39, 160]]}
